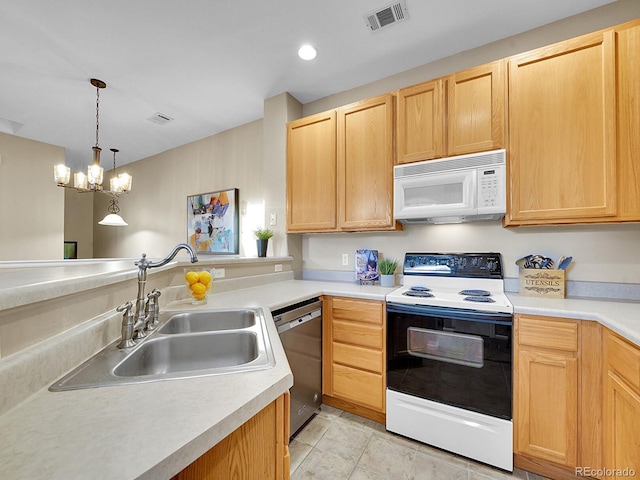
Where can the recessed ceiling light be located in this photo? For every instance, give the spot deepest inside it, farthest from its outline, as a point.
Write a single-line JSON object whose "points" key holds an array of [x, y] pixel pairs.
{"points": [[307, 52]]}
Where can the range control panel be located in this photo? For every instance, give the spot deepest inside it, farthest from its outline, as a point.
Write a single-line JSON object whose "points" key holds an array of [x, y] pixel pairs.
{"points": [[473, 265]]}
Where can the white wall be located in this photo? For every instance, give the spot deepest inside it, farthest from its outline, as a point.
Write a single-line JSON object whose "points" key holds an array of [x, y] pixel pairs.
{"points": [[601, 253], [156, 208], [31, 205]]}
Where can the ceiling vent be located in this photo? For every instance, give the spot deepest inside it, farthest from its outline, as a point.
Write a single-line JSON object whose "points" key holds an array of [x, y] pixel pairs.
{"points": [[386, 16], [160, 118]]}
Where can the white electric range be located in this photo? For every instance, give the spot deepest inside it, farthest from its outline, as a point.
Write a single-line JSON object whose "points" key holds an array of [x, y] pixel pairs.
{"points": [[449, 360]]}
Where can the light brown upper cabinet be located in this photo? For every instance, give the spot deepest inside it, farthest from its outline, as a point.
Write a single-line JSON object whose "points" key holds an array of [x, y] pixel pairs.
{"points": [[421, 122], [562, 132], [454, 115], [311, 173], [340, 169], [628, 121], [365, 164]]}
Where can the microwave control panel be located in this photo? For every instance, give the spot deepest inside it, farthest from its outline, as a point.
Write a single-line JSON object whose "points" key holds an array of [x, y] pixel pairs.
{"points": [[491, 189]]}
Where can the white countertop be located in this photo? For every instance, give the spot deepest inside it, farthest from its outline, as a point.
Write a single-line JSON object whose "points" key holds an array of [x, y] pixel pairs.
{"points": [[623, 317], [153, 430]]}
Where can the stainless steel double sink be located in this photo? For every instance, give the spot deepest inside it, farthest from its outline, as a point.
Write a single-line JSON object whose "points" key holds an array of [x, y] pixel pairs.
{"points": [[186, 344]]}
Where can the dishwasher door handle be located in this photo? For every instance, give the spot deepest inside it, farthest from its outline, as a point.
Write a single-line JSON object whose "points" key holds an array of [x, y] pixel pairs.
{"points": [[299, 321]]}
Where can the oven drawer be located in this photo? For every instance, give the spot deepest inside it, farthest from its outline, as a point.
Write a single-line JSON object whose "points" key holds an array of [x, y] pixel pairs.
{"points": [[357, 310], [363, 388], [545, 332], [358, 357], [357, 334]]}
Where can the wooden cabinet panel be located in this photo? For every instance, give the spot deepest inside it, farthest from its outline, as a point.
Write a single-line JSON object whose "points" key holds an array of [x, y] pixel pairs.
{"points": [[257, 449], [562, 140], [357, 334], [358, 357], [476, 106], [557, 395], [361, 387], [628, 116], [545, 332], [454, 115], [311, 174], [548, 406], [421, 122], [365, 164], [353, 356], [624, 359], [621, 417], [622, 424], [357, 310]]}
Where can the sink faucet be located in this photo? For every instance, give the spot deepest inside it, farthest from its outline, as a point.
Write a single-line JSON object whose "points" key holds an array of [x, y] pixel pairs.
{"points": [[146, 314]]}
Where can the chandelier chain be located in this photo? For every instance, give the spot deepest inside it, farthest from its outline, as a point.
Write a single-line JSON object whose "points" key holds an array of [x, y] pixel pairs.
{"points": [[97, 113]]}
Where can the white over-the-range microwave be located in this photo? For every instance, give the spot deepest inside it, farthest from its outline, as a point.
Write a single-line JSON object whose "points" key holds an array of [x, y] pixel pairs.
{"points": [[458, 189]]}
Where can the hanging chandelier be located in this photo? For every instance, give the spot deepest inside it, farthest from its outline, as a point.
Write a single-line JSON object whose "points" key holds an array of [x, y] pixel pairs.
{"points": [[118, 185], [92, 181]]}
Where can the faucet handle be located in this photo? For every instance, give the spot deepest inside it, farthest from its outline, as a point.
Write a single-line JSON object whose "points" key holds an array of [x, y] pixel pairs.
{"points": [[152, 309], [125, 308], [127, 325]]}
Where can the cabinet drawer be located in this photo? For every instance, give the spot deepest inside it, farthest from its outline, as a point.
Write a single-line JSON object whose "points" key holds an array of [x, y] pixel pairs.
{"points": [[547, 332], [363, 358], [623, 358], [357, 334], [357, 310], [363, 388]]}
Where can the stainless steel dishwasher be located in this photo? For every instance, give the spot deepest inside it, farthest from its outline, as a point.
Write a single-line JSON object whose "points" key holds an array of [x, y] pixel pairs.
{"points": [[300, 329]]}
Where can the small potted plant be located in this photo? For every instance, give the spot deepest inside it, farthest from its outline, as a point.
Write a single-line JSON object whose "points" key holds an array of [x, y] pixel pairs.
{"points": [[387, 268], [263, 235]]}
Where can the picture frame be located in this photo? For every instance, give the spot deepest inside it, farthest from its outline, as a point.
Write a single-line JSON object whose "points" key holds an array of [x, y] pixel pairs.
{"points": [[70, 250], [213, 225], [366, 266]]}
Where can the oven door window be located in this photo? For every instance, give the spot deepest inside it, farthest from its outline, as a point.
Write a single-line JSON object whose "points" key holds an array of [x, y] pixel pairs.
{"points": [[461, 359], [446, 347]]}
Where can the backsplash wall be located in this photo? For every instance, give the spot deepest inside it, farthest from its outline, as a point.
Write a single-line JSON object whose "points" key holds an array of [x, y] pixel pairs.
{"points": [[601, 253]]}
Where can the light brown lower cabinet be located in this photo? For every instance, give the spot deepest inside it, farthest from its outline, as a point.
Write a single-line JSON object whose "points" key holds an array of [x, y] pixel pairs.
{"points": [[258, 449], [353, 377], [621, 406], [557, 395]]}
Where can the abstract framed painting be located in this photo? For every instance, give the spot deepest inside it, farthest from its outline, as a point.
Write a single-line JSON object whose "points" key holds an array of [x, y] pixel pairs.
{"points": [[213, 222]]}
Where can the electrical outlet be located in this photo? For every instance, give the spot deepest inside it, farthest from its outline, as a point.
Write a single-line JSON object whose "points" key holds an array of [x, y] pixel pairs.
{"points": [[273, 219], [218, 273], [278, 267], [345, 259]]}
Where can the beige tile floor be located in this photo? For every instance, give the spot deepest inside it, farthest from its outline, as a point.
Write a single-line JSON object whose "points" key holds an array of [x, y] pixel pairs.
{"points": [[338, 445]]}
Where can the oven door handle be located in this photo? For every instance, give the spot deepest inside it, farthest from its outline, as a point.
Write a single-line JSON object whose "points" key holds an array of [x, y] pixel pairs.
{"points": [[452, 313]]}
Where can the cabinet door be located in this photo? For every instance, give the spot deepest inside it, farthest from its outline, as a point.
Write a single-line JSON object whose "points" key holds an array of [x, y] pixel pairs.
{"points": [[311, 173], [621, 417], [420, 130], [475, 114], [365, 164], [628, 109], [622, 424], [562, 134], [547, 406]]}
